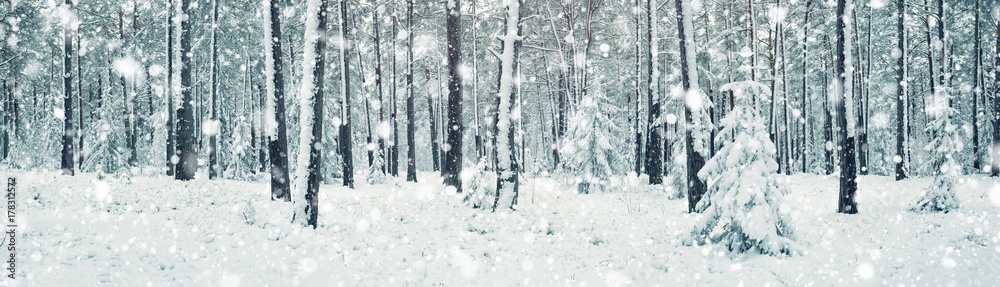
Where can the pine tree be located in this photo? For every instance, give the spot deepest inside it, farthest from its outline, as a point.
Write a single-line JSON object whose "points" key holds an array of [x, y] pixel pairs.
{"points": [[946, 144], [480, 187], [67, 135], [455, 128], [187, 153], [506, 151], [376, 171], [591, 147], [310, 155], [275, 126], [744, 209]]}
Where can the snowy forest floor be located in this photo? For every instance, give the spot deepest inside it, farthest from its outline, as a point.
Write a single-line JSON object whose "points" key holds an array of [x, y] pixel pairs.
{"points": [[155, 231]]}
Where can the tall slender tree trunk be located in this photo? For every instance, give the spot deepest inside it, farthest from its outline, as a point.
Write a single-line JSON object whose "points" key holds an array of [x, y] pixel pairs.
{"points": [[995, 164], [475, 86], [274, 124], [187, 165], [213, 137], [638, 93], [67, 137], [435, 144], [977, 91], [689, 81], [507, 178], [654, 152], [411, 152], [345, 138], [311, 137], [453, 153], [394, 148], [901, 88], [806, 123], [79, 99], [848, 183]]}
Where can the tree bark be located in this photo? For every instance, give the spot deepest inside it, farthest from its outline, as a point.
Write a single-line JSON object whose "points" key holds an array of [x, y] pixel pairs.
{"points": [[171, 137], [411, 164], [848, 183], [277, 133], [977, 91], [213, 137], [900, 88], [315, 157], [187, 164], [345, 138], [654, 152], [67, 136], [453, 154]]}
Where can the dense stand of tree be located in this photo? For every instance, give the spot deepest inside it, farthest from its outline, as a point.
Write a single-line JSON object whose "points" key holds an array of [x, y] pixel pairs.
{"points": [[826, 105]]}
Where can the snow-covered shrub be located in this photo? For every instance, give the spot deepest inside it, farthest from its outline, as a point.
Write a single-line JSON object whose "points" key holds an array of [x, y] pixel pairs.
{"points": [[946, 143], [592, 144], [744, 209], [480, 186]]}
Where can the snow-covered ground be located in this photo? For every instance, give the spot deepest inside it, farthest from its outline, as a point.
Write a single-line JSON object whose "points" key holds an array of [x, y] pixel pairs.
{"points": [[154, 231]]}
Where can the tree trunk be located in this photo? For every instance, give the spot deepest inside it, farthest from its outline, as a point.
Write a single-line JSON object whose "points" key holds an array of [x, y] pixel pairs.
{"points": [[394, 148], [67, 137], [848, 183], [995, 166], [311, 137], [79, 99], [637, 168], [689, 81], [977, 91], [507, 178], [654, 152], [435, 146], [411, 152], [171, 137], [901, 88], [806, 124], [345, 138], [187, 165], [274, 125], [453, 154], [213, 137]]}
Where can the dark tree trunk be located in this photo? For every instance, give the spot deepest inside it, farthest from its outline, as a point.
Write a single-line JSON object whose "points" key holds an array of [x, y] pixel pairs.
{"points": [[637, 168], [316, 154], [806, 124], [67, 137], [848, 182], [213, 137], [435, 147], [995, 166], [171, 137], [344, 138], [695, 186], [79, 99], [455, 128], [187, 165], [901, 88], [654, 152], [277, 137], [977, 91], [411, 151], [394, 148]]}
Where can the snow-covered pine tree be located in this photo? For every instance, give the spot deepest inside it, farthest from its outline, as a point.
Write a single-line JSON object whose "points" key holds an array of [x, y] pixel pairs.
{"points": [[946, 144], [591, 147], [243, 161], [376, 171], [480, 186], [743, 207], [107, 153]]}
